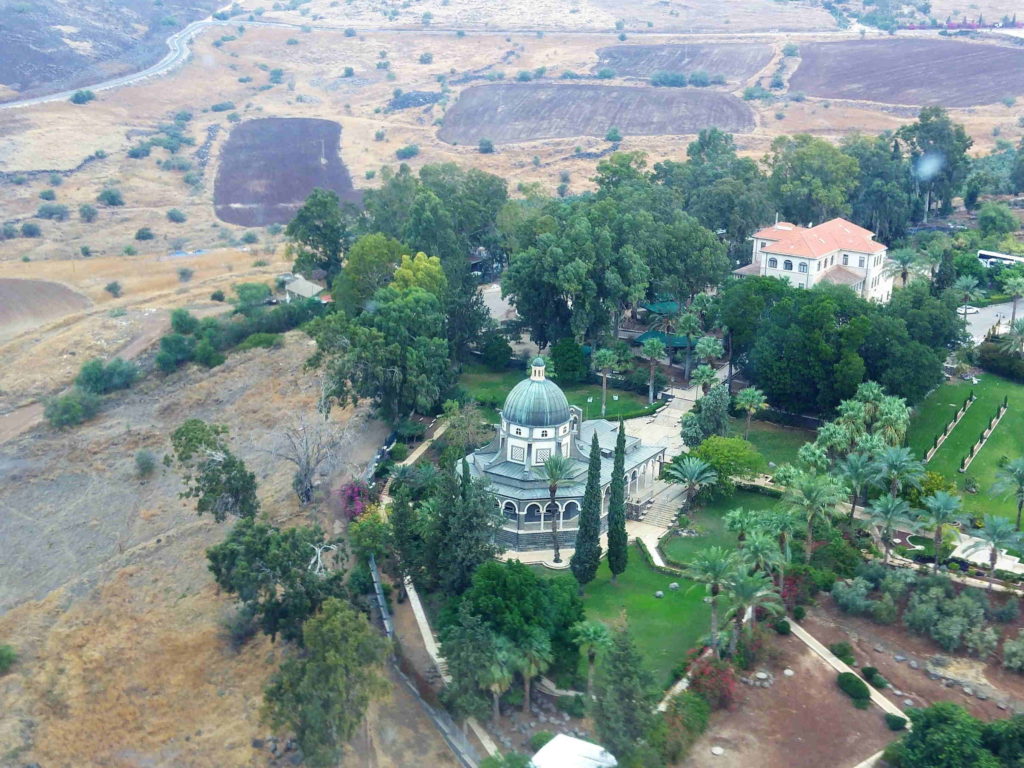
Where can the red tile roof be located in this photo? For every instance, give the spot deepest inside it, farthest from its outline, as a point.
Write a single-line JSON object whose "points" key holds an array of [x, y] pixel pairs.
{"points": [[836, 235]]}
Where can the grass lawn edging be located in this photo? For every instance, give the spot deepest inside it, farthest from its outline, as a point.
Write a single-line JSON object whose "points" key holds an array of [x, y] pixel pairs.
{"points": [[971, 398], [985, 435]]}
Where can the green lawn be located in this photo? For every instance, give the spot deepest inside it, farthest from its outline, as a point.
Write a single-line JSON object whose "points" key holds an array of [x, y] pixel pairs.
{"points": [[486, 386], [776, 443], [710, 519], [1007, 440], [664, 629]]}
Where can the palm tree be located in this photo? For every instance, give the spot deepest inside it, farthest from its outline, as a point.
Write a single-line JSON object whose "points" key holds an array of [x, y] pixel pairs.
{"points": [[741, 522], [704, 376], [692, 473], [965, 288], [1012, 342], [897, 466], [762, 552], [929, 260], [604, 360], [814, 497], [534, 659], [708, 348], [749, 592], [782, 524], [940, 509], [751, 400], [653, 350], [591, 637], [557, 470], [899, 263], [997, 533], [499, 673], [888, 513], [857, 471], [1010, 482], [688, 326], [1015, 287], [714, 567]]}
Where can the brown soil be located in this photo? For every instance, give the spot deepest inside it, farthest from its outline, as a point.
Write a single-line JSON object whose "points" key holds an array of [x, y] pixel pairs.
{"points": [[511, 113], [735, 61], [25, 304], [803, 721], [919, 72], [269, 166], [828, 624]]}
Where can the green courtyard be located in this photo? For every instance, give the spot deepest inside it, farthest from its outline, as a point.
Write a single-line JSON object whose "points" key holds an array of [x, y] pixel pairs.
{"points": [[1007, 440], [710, 524], [489, 389], [664, 628], [776, 443]]}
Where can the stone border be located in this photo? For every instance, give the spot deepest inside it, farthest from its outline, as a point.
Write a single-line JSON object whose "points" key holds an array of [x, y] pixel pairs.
{"points": [[976, 448], [950, 427]]}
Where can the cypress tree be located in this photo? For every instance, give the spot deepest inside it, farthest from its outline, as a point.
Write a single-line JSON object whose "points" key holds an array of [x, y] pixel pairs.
{"points": [[618, 542], [587, 556]]}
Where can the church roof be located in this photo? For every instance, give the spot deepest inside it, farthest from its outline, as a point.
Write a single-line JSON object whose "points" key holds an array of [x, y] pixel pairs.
{"points": [[536, 402]]}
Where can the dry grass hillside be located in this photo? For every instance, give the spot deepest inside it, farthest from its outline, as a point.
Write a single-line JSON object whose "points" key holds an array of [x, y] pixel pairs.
{"points": [[123, 661]]}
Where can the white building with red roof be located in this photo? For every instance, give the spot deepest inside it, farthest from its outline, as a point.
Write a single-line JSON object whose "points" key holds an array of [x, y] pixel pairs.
{"points": [[836, 251]]}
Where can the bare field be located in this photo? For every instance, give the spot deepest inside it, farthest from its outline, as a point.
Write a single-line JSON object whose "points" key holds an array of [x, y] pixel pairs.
{"points": [[803, 721], [510, 113], [735, 61], [911, 71], [269, 166], [25, 304]]}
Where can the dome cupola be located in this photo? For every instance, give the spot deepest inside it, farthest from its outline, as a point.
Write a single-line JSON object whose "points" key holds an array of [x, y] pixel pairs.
{"points": [[536, 401]]}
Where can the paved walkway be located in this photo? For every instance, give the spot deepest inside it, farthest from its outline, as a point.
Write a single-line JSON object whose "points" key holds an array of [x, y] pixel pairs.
{"points": [[841, 666]]}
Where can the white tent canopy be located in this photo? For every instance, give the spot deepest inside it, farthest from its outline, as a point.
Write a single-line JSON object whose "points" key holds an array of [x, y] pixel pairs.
{"points": [[567, 752]]}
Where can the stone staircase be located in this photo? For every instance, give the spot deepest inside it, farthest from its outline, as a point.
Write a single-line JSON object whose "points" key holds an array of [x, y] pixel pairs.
{"points": [[664, 505]]}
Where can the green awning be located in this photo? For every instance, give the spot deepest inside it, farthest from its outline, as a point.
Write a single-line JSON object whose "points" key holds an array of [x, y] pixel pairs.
{"points": [[662, 307], [673, 342]]}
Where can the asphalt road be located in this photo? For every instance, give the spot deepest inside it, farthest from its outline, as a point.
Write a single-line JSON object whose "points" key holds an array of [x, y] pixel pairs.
{"points": [[986, 317]]}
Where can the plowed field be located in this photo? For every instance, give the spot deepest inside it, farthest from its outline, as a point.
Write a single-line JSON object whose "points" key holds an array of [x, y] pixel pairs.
{"points": [[917, 72], [736, 61], [28, 303], [511, 113], [269, 166]]}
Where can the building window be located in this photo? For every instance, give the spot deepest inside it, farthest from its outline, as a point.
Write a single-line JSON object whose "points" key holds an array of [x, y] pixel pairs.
{"points": [[543, 454], [572, 509], [519, 431], [532, 513], [819, 266], [787, 265], [518, 454], [803, 267], [846, 259], [511, 513], [861, 262], [773, 263], [543, 433]]}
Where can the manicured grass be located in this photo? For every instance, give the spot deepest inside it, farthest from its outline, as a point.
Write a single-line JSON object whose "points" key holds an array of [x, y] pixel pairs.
{"points": [[1007, 440], [664, 629], [776, 443], [709, 518], [486, 386]]}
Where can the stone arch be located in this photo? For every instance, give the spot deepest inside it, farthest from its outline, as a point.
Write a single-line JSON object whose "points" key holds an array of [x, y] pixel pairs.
{"points": [[532, 513], [511, 511], [571, 510]]}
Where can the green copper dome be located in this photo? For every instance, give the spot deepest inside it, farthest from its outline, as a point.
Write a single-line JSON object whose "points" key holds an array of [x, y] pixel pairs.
{"points": [[536, 402]]}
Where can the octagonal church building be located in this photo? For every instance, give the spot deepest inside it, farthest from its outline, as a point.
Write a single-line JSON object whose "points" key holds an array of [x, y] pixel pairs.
{"points": [[537, 423]]}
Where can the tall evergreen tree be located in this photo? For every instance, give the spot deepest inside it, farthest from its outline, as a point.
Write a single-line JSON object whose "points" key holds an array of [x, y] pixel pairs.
{"points": [[587, 556], [618, 541], [464, 533], [624, 702]]}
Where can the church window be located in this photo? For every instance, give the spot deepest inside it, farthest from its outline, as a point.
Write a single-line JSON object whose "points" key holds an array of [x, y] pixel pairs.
{"points": [[519, 431], [543, 454], [518, 454]]}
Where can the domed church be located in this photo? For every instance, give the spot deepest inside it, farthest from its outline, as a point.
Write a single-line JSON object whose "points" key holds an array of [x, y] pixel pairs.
{"points": [[537, 423]]}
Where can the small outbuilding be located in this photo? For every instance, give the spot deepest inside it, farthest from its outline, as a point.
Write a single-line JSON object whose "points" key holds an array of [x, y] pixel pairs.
{"points": [[569, 752], [300, 287]]}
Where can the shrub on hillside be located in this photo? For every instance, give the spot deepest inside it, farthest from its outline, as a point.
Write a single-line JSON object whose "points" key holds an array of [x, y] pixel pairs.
{"points": [[407, 152], [184, 322], [87, 213], [110, 196], [175, 350], [53, 211], [100, 378], [176, 216], [82, 97], [7, 658], [31, 229], [73, 408], [113, 288], [145, 463]]}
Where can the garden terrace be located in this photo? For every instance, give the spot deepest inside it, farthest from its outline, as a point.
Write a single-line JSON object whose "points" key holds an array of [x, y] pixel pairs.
{"points": [[776, 443], [709, 521], [937, 410]]}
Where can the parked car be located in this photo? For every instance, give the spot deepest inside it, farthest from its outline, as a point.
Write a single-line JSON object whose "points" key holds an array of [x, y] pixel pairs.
{"points": [[968, 310]]}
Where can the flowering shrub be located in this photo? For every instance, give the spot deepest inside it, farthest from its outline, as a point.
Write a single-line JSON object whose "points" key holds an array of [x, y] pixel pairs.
{"points": [[354, 497], [715, 680]]}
